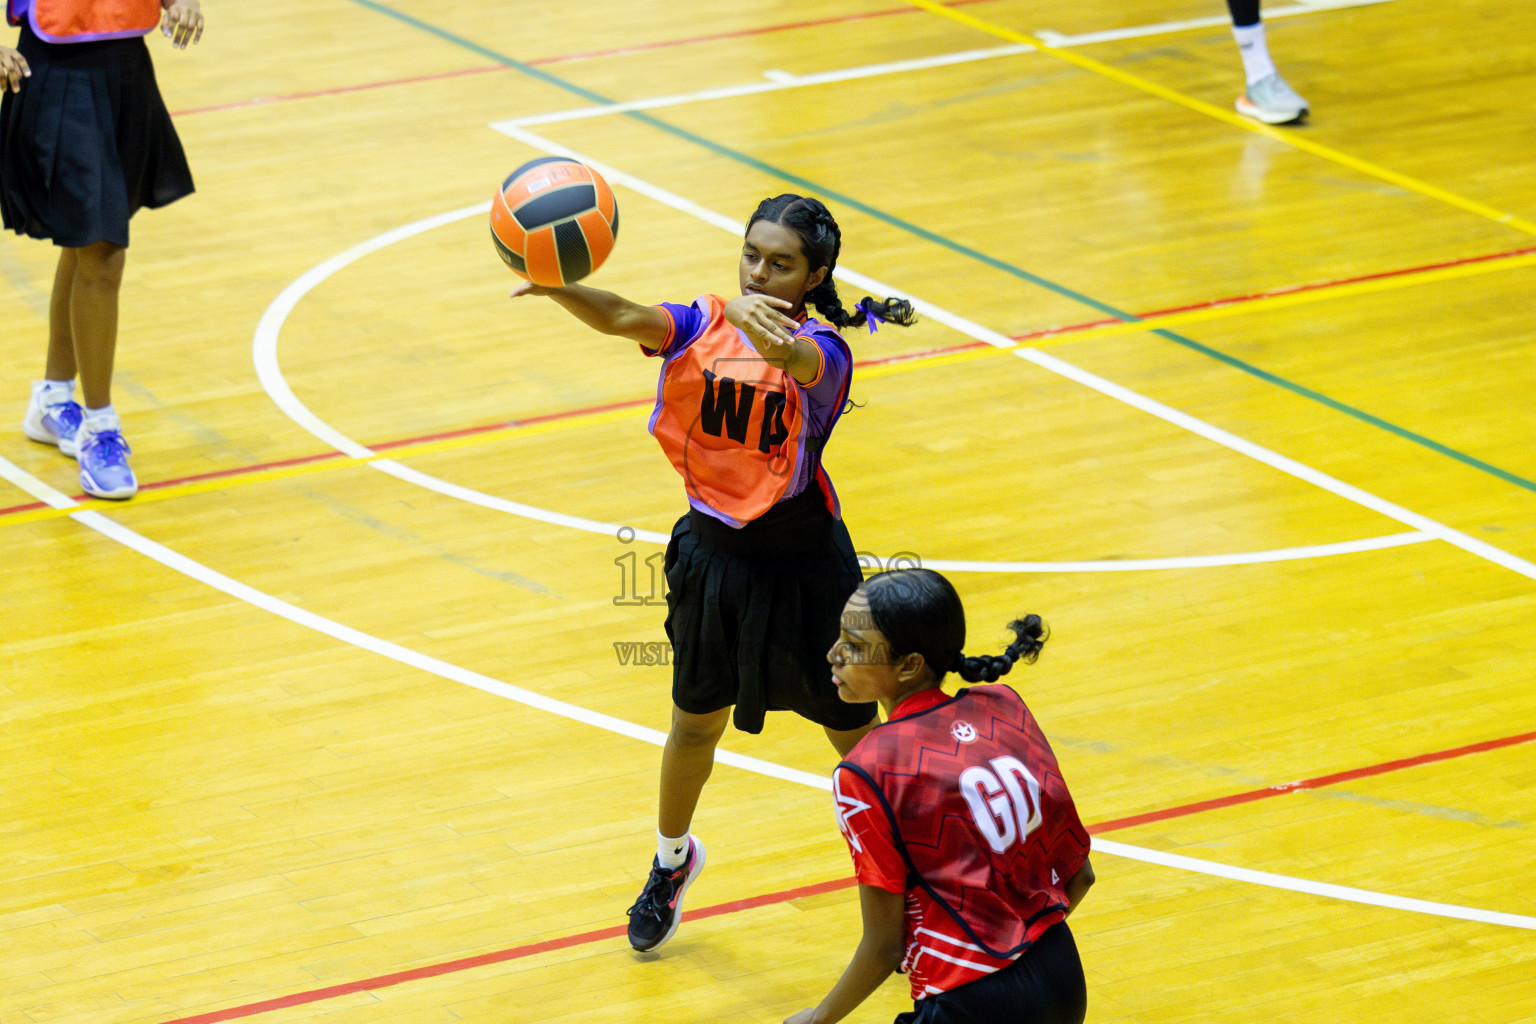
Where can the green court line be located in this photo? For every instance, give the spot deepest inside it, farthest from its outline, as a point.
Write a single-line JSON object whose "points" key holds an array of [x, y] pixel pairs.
{"points": [[955, 247]]}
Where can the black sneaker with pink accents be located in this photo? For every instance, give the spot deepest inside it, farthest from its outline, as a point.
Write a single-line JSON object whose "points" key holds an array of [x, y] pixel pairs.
{"points": [[655, 916]]}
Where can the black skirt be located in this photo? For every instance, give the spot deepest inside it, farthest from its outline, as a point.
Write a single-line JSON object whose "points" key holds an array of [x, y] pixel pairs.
{"points": [[87, 142], [752, 612]]}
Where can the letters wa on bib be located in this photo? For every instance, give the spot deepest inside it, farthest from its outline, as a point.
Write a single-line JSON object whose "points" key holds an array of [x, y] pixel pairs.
{"points": [[759, 568]]}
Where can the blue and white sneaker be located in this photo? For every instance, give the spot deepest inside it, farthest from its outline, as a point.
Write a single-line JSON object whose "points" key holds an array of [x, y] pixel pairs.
{"points": [[103, 455], [56, 424]]}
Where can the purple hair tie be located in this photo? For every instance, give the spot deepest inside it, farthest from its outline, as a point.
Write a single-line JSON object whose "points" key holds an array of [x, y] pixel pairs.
{"points": [[869, 315]]}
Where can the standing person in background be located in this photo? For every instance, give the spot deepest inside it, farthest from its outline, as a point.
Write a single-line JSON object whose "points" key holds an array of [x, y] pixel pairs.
{"points": [[965, 841], [1268, 97], [86, 141]]}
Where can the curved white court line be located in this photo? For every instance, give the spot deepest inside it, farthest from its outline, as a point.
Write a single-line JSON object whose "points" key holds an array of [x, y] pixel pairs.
{"points": [[1395, 540], [269, 372], [446, 670]]}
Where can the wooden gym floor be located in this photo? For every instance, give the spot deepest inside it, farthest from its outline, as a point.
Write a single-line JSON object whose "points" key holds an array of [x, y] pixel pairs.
{"points": [[348, 715]]}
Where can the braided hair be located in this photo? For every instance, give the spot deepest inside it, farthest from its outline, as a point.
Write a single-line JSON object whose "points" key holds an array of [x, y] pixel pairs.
{"points": [[822, 241], [917, 610]]}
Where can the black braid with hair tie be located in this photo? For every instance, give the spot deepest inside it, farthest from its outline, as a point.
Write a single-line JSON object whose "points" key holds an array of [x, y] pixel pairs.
{"points": [[1030, 632], [822, 242], [918, 612]]}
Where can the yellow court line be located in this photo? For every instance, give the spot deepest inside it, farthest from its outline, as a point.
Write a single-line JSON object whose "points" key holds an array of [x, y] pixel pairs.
{"points": [[1290, 138], [1219, 312]]}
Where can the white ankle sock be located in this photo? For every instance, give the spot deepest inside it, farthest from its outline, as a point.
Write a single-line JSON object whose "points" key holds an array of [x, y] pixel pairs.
{"points": [[100, 420], [1254, 50], [53, 392], [670, 853]]}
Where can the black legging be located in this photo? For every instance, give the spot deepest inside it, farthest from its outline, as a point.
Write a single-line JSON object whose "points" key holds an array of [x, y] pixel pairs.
{"points": [[1244, 12], [1044, 986]]}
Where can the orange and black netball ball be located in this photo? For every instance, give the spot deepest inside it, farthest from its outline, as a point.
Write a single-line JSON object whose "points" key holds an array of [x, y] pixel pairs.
{"points": [[554, 221]]}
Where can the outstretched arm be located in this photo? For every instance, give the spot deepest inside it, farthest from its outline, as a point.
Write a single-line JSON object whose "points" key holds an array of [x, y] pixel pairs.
{"points": [[879, 953], [606, 312]]}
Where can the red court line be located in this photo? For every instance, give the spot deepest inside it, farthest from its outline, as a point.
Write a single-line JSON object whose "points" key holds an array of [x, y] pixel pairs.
{"points": [[564, 59], [1287, 290], [1048, 332], [1321, 780], [817, 888], [259, 101], [502, 956], [300, 460], [748, 32]]}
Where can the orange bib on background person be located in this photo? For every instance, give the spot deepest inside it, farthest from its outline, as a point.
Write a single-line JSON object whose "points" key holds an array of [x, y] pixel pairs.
{"points": [[81, 21], [733, 426]]}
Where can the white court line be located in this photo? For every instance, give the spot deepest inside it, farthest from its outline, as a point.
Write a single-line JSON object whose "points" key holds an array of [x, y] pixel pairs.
{"points": [[1325, 889], [1395, 540], [269, 372], [276, 386], [1060, 41], [404, 655], [778, 80], [357, 638]]}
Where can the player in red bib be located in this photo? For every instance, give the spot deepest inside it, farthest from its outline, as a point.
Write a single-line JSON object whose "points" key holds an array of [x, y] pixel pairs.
{"points": [[759, 568], [966, 844]]}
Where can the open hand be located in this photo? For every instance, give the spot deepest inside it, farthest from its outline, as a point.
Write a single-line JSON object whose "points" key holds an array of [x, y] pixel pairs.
{"points": [[13, 68], [182, 23], [529, 288], [769, 330]]}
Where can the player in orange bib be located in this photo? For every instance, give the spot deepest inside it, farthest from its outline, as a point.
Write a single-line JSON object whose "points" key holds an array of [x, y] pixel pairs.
{"points": [[85, 143], [967, 846], [760, 566]]}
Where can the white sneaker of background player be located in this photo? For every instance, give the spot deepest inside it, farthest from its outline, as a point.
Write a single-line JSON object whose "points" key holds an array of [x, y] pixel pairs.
{"points": [[1272, 101], [53, 417]]}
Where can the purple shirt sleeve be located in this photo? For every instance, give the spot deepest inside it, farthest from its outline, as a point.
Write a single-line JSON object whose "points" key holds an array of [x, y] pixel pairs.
{"points": [[17, 8], [687, 323], [824, 397]]}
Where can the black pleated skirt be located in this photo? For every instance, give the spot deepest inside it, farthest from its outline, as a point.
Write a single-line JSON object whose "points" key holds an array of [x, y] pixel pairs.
{"points": [[87, 142], [752, 612]]}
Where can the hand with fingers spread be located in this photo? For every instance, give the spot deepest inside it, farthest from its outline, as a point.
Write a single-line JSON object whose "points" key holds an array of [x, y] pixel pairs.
{"points": [[759, 317], [182, 23], [13, 68]]}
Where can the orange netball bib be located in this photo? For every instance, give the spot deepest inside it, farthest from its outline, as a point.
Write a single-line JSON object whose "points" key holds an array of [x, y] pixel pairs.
{"points": [[732, 426], [80, 21]]}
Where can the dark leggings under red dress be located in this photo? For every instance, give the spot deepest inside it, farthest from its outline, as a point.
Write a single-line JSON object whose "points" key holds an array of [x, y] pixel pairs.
{"points": [[1045, 985]]}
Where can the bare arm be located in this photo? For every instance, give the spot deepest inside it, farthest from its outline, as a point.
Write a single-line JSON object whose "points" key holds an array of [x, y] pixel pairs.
{"points": [[878, 954], [607, 313], [1078, 886]]}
